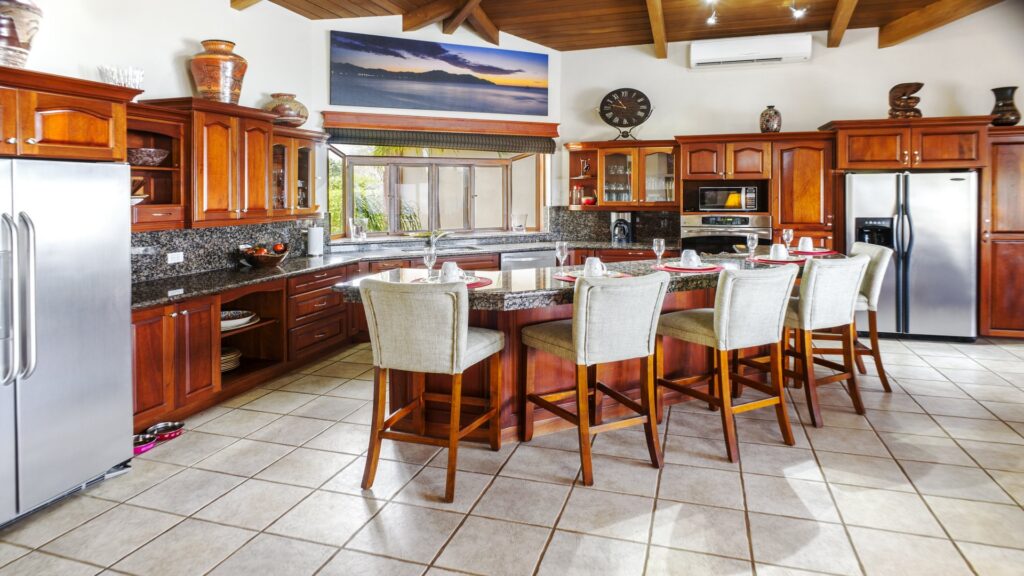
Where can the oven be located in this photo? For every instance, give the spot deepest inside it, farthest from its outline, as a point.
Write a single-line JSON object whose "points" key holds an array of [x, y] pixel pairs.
{"points": [[732, 198], [715, 234]]}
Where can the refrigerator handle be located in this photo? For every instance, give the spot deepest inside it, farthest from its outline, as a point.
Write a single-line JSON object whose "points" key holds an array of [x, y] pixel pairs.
{"points": [[11, 371], [29, 366]]}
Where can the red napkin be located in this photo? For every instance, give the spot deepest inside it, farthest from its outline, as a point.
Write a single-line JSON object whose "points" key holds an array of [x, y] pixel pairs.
{"points": [[667, 268], [770, 261], [813, 252]]}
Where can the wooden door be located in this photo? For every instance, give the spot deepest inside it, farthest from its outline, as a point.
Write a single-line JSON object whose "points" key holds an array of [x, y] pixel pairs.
{"points": [[657, 176], [152, 364], [802, 195], [748, 160], [197, 347], [8, 121], [215, 144], [873, 148], [72, 127], [1002, 240], [616, 177], [702, 161], [949, 147], [254, 160]]}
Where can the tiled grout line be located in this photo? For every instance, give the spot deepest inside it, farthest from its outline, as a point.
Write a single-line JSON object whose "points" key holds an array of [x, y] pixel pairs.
{"points": [[558, 519], [657, 487]]}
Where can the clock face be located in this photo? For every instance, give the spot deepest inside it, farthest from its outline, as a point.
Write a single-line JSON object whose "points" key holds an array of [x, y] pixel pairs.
{"points": [[625, 108]]}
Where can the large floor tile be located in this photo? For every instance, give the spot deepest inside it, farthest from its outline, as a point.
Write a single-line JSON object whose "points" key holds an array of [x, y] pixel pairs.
{"points": [[905, 423], [983, 377], [305, 467], [621, 516], [144, 474], [352, 563], [407, 532], [932, 388], [701, 529], [198, 419], [982, 430], [964, 407], [980, 522], [969, 483], [787, 461], [704, 452], [572, 554], [188, 448], [706, 486], [267, 554], [624, 475], [474, 457], [49, 523], [1012, 482], [789, 497], [542, 464], [926, 449], [326, 518], [473, 547], [1000, 393], [112, 535], [39, 564], [996, 456], [524, 501], [357, 389], [238, 423], [344, 370], [992, 560], [244, 398], [290, 430], [1006, 411], [889, 554], [407, 452], [342, 437], [885, 509], [9, 553], [254, 504], [863, 442], [278, 402], [391, 477], [428, 489], [625, 443], [245, 457], [192, 547], [186, 492], [869, 471], [669, 562], [313, 384], [329, 408], [804, 544]]}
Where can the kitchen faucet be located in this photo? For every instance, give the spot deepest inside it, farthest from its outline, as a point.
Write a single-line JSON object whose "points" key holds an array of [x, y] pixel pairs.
{"points": [[435, 235]]}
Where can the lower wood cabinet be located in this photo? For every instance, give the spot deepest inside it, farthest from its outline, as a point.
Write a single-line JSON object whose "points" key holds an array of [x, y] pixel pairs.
{"points": [[1002, 237], [475, 262], [623, 255], [318, 318]]}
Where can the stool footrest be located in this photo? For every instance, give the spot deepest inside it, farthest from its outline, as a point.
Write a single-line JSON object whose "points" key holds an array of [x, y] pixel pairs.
{"points": [[686, 389], [760, 387], [620, 398], [447, 398], [748, 406], [832, 379], [617, 424], [477, 423], [400, 413], [413, 439], [544, 403], [829, 364]]}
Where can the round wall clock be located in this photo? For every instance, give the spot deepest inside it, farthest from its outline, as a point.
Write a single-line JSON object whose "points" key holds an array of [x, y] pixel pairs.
{"points": [[625, 109]]}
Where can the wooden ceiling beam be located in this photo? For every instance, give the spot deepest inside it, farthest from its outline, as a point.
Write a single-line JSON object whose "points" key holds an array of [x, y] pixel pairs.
{"points": [[840, 21], [243, 4], [480, 22], [932, 16], [428, 14], [452, 23], [657, 16]]}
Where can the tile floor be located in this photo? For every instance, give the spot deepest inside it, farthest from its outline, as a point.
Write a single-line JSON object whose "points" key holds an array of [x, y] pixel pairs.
{"points": [[929, 482]]}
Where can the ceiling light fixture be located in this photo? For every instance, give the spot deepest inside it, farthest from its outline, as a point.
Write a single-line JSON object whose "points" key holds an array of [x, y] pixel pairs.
{"points": [[713, 19], [798, 13]]}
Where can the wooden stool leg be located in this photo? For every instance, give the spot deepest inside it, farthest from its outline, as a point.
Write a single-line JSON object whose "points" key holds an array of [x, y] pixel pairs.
{"points": [[582, 399], [798, 364], [737, 388], [849, 353], [781, 412], [875, 352], [598, 396], [494, 431], [807, 371], [713, 383], [380, 391], [419, 415], [860, 361], [530, 370], [647, 401], [453, 437], [728, 421], [659, 373]]}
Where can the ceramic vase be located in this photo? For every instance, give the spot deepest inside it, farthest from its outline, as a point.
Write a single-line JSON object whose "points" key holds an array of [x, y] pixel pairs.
{"points": [[290, 112], [218, 71], [19, 22], [1006, 112], [771, 120]]}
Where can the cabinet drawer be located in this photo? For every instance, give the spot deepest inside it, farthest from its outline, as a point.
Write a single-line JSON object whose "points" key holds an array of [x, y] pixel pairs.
{"points": [[312, 305], [481, 262], [330, 330], [385, 265], [316, 280], [618, 255], [155, 213]]}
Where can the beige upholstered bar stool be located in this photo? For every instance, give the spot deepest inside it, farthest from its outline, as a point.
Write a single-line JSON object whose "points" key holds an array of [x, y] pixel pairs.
{"points": [[424, 329], [614, 319], [750, 306], [829, 289], [867, 301]]}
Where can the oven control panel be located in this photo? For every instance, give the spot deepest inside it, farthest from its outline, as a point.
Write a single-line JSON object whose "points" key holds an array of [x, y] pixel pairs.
{"points": [[725, 220]]}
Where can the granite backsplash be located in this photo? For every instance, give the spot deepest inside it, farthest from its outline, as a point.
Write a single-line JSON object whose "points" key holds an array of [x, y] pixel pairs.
{"points": [[208, 248], [582, 226]]}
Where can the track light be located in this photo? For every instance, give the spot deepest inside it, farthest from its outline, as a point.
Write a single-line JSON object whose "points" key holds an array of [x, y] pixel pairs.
{"points": [[798, 13], [713, 19]]}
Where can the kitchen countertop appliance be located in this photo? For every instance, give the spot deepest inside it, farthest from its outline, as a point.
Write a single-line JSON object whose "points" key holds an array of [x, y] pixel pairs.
{"points": [[622, 227], [930, 219], [717, 233], [65, 328]]}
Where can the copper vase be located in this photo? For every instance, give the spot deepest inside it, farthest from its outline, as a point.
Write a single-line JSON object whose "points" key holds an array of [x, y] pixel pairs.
{"points": [[218, 71], [19, 22], [290, 112]]}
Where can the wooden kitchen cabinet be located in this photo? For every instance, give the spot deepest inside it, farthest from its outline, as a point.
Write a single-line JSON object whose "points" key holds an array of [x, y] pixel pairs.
{"points": [[197, 350], [8, 121], [153, 342], [630, 255], [1002, 236], [748, 160], [702, 160], [385, 265], [254, 168], [802, 192], [725, 160], [954, 142], [161, 188], [293, 175], [616, 177], [215, 167], [472, 262], [638, 175]]}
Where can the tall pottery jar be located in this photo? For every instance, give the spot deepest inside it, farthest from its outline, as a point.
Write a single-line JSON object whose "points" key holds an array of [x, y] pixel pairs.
{"points": [[19, 22], [290, 112], [771, 120], [218, 71], [1006, 112]]}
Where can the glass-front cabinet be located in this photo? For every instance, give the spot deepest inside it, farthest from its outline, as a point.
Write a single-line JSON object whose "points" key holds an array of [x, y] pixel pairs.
{"points": [[280, 173], [658, 175], [293, 172], [635, 176], [305, 175], [616, 181]]}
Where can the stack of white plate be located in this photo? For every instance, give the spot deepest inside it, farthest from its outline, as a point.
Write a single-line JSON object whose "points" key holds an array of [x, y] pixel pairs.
{"points": [[230, 358], [232, 319]]}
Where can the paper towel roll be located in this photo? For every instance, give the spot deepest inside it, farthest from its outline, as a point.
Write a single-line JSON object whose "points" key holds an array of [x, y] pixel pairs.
{"points": [[315, 241]]}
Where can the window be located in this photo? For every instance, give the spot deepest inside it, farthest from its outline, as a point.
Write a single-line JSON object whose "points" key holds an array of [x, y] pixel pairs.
{"points": [[402, 190]]}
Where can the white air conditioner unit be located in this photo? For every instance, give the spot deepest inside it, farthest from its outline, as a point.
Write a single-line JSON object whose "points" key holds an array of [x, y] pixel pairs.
{"points": [[781, 48]]}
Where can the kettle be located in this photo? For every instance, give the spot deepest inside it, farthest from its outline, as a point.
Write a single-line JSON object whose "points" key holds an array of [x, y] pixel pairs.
{"points": [[622, 227]]}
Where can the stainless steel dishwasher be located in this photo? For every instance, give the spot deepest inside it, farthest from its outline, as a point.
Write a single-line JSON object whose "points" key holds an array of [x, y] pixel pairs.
{"points": [[521, 260]]}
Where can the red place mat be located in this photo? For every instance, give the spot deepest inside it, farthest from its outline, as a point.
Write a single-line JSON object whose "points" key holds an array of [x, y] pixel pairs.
{"points": [[813, 252], [760, 260], [677, 269], [572, 278]]}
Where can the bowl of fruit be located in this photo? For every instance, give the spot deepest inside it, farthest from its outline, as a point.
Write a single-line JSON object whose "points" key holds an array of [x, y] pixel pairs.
{"points": [[265, 256]]}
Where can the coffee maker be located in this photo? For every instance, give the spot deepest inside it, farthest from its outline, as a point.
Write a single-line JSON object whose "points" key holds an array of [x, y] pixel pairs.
{"points": [[622, 227]]}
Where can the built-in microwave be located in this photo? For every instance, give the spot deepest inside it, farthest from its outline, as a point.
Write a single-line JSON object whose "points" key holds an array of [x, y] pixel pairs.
{"points": [[728, 199]]}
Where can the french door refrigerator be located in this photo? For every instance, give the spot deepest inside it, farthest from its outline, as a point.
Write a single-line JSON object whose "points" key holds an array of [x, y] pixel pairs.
{"points": [[65, 351], [930, 219]]}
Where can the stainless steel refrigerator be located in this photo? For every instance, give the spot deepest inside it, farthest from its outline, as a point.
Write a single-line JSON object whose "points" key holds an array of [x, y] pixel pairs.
{"points": [[65, 350], [930, 219]]}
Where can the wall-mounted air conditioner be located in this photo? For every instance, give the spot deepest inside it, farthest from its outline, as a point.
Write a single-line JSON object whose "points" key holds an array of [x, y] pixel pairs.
{"points": [[776, 49]]}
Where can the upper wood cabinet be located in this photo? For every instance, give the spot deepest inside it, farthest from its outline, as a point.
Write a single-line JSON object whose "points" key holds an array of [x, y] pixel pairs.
{"points": [[294, 176], [616, 177], [1002, 236], [702, 161], [639, 175], [959, 142], [802, 195], [254, 168], [8, 121], [161, 188], [215, 167], [657, 176], [742, 160]]}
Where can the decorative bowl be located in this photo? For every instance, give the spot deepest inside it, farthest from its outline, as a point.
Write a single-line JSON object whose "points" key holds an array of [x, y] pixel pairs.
{"points": [[166, 430], [231, 319], [268, 260], [144, 443], [147, 156]]}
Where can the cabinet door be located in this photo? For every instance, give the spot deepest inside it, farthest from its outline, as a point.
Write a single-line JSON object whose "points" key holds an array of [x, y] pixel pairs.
{"points": [[60, 126], [802, 186], [619, 255], [8, 121], [875, 148], [1002, 241], [280, 174], [303, 201], [748, 160], [702, 161], [152, 364], [616, 183], [254, 167], [658, 176], [215, 144], [197, 347], [949, 147]]}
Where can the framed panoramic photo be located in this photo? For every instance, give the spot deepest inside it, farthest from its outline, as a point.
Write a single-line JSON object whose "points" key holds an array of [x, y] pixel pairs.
{"points": [[385, 72]]}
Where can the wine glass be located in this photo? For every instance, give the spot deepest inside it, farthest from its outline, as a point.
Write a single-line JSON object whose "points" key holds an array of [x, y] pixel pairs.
{"points": [[751, 243], [429, 259], [659, 249], [787, 237], [561, 252]]}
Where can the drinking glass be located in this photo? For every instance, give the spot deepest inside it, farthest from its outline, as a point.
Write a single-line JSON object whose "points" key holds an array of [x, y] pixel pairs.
{"points": [[751, 244], [659, 249], [429, 259], [787, 237], [561, 252]]}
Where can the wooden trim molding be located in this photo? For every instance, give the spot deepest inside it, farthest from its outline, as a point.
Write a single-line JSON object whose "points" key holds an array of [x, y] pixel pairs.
{"points": [[908, 122], [929, 18], [203, 105], [31, 80], [437, 124], [754, 137]]}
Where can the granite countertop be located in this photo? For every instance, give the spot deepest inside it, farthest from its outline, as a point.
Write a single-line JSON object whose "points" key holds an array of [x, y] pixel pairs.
{"points": [[168, 290]]}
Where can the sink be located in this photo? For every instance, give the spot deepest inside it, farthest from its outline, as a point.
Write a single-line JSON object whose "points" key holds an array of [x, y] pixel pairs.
{"points": [[444, 250]]}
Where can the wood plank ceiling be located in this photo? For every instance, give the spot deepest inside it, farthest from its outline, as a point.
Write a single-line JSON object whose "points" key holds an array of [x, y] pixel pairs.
{"points": [[585, 24]]}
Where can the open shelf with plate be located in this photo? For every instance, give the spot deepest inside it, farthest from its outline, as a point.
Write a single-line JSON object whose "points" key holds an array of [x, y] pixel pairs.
{"points": [[253, 347], [157, 184]]}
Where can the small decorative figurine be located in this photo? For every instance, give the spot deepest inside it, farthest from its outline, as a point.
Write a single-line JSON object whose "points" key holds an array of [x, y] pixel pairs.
{"points": [[901, 103], [584, 167]]}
